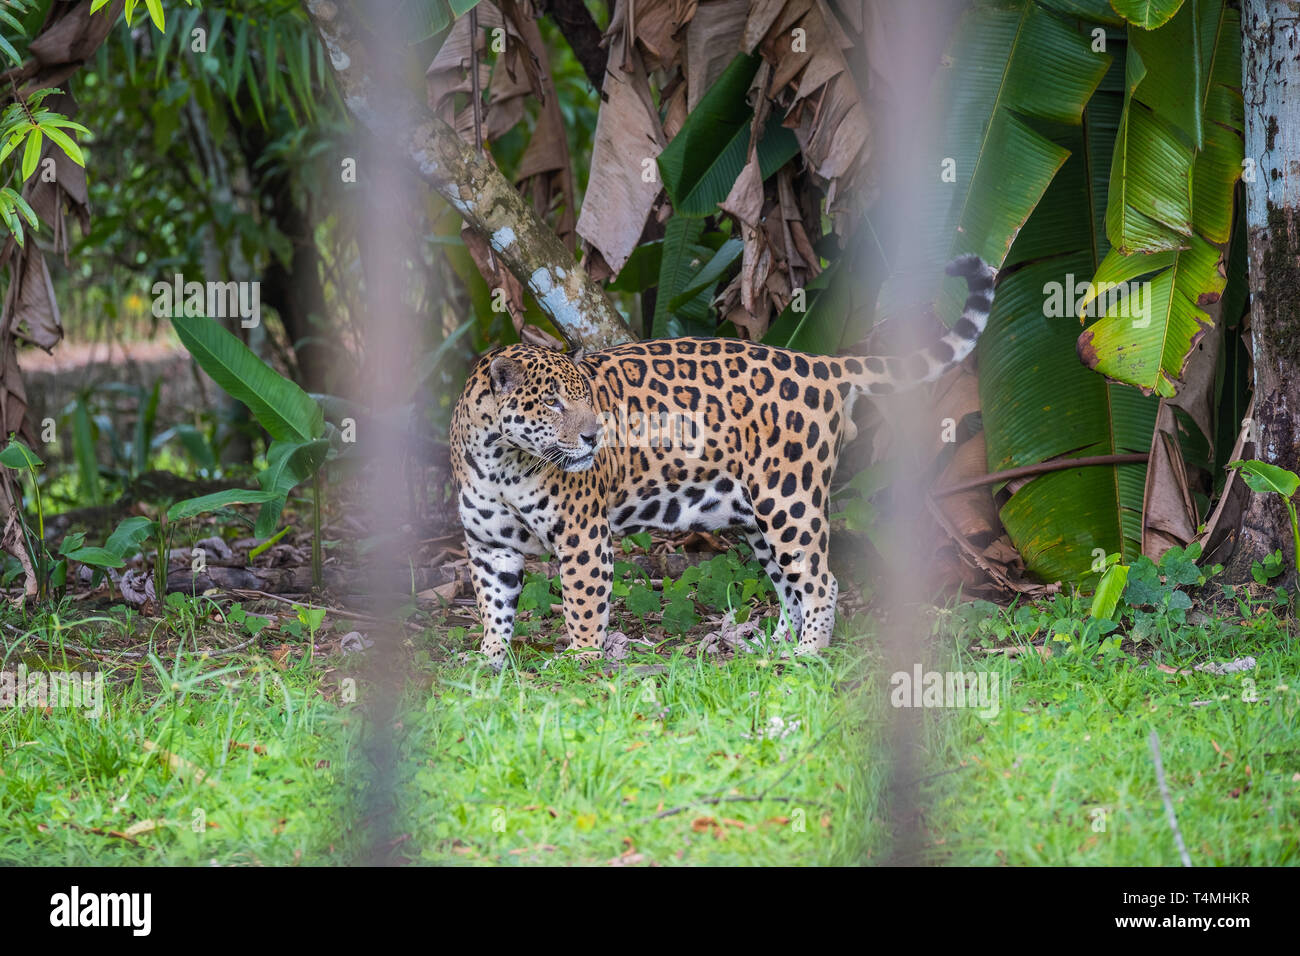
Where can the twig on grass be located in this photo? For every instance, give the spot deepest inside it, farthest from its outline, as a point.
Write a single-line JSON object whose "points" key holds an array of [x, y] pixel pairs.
{"points": [[734, 798], [340, 612]]}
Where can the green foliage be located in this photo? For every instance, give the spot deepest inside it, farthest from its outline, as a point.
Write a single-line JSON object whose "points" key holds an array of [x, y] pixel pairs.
{"points": [[1264, 571], [154, 7], [251, 624], [311, 618], [681, 258], [427, 18], [643, 600], [19, 457], [855, 498], [288, 464], [1264, 478], [699, 167], [709, 274], [192, 507], [993, 131], [538, 593], [27, 124], [1039, 402], [1147, 14], [1156, 603], [1176, 162], [639, 539], [287, 412], [837, 303], [83, 443], [689, 164], [129, 535], [1109, 589], [292, 417], [679, 614], [253, 104]]}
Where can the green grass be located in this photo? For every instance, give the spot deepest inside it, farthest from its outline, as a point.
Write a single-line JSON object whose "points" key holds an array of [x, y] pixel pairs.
{"points": [[567, 766], [1064, 774], [669, 759], [273, 753]]}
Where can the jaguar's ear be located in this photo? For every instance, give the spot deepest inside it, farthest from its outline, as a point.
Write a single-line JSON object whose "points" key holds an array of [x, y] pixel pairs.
{"points": [[577, 354], [505, 374]]}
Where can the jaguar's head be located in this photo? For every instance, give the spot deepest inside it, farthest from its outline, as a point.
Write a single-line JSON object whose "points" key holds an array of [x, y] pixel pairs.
{"points": [[544, 405]]}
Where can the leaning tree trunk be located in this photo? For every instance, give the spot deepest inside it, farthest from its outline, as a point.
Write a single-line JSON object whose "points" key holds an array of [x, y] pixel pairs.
{"points": [[472, 184], [1270, 39]]}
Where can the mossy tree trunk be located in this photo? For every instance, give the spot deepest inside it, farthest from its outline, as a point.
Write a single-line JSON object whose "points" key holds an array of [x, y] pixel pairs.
{"points": [[1271, 87]]}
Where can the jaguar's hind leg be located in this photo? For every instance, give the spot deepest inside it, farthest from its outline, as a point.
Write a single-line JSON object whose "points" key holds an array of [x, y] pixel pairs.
{"points": [[787, 593], [797, 538]]}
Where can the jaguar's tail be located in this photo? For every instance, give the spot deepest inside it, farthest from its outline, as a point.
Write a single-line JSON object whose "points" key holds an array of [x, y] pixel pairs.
{"points": [[883, 374]]}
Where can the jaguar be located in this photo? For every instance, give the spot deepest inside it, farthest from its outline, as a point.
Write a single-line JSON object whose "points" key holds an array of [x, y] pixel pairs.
{"points": [[563, 453]]}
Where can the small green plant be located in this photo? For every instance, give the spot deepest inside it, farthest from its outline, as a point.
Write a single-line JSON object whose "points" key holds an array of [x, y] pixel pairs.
{"points": [[132, 533], [294, 420], [1263, 478], [19, 457], [1154, 602], [858, 512], [27, 123], [640, 540], [1266, 570], [1110, 588], [311, 618], [679, 614], [251, 624]]}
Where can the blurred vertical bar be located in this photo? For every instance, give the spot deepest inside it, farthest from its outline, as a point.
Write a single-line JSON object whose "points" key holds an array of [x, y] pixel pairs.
{"points": [[393, 203], [904, 43]]}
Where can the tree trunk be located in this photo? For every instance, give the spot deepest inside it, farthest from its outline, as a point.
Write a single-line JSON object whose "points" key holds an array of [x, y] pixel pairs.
{"points": [[295, 292], [472, 184], [1270, 39]]}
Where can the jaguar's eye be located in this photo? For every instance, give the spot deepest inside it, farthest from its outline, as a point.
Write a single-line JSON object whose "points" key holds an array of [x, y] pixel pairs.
{"points": [[554, 405]]}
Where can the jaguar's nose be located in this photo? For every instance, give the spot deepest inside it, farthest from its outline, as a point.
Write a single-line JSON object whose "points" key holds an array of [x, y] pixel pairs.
{"points": [[591, 436]]}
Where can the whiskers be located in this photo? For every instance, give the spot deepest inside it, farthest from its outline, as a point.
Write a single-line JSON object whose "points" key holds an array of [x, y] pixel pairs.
{"points": [[552, 458]]}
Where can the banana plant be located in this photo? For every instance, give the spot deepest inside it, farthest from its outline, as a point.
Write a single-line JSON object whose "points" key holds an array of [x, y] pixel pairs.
{"points": [[699, 167], [132, 533], [1174, 168], [1116, 164], [124, 542], [300, 441]]}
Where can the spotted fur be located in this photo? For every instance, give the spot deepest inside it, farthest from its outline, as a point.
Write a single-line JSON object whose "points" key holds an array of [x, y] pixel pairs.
{"points": [[755, 435]]}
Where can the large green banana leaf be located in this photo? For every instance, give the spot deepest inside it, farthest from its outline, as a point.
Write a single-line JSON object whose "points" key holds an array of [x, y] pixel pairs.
{"points": [[1147, 14], [1013, 66], [1175, 165], [280, 406], [1039, 402]]}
